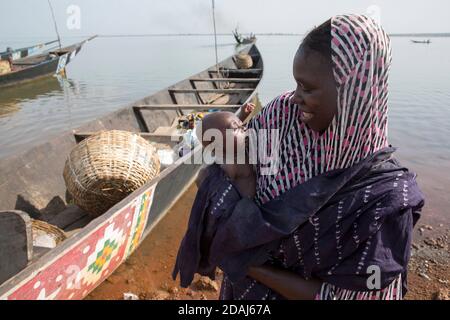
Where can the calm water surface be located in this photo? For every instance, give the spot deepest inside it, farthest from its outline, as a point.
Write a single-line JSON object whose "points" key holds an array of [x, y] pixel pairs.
{"points": [[111, 72]]}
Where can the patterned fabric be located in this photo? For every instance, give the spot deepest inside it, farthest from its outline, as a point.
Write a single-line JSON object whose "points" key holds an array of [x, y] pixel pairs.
{"points": [[391, 292], [361, 56], [327, 292], [216, 197], [337, 227]]}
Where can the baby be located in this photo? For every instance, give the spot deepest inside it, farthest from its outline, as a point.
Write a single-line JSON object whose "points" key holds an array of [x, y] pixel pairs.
{"points": [[221, 187], [231, 126]]}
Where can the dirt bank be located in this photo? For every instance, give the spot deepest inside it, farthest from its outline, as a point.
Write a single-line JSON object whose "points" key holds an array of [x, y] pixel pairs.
{"points": [[147, 273]]}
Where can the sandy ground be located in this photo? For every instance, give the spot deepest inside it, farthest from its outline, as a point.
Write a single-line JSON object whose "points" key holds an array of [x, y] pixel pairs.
{"points": [[429, 270], [147, 273]]}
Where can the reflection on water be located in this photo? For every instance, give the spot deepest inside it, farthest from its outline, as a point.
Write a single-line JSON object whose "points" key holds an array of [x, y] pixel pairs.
{"points": [[27, 111], [9, 107], [12, 97], [111, 72]]}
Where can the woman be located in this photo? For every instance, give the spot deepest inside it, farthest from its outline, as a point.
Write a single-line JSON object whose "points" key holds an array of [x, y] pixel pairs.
{"points": [[335, 221], [336, 117]]}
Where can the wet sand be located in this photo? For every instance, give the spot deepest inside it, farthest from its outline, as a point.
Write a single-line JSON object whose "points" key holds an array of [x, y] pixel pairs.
{"points": [[147, 273]]}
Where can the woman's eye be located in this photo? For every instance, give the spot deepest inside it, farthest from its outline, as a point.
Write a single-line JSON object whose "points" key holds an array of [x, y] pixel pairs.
{"points": [[305, 89]]}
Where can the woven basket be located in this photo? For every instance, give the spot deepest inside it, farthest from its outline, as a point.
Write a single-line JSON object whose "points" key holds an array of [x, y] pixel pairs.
{"points": [[106, 167], [243, 61], [40, 228]]}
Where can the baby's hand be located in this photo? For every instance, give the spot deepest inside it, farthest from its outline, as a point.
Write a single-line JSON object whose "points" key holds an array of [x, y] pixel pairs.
{"points": [[245, 111], [248, 108]]}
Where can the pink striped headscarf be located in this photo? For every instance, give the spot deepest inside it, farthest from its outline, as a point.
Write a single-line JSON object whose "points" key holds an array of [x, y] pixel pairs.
{"points": [[361, 59]]}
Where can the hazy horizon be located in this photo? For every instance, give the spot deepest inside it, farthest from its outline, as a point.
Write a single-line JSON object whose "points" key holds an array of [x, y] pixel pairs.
{"points": [[32, 18]]}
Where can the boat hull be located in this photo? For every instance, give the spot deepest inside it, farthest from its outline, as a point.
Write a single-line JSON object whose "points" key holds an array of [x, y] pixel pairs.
{"points": [[25, 52], [45, 66], [74, 269], [78, 265]]}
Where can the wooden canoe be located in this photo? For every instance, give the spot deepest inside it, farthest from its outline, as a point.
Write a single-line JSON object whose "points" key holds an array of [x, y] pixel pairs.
{"points": [[31, 185], [25, 52], [37, 66]]}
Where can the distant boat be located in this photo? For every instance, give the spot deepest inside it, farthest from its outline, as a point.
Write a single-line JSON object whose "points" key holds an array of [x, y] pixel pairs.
{"points": [[27, 68], [421, 41], [241, 40], [15, 54]]}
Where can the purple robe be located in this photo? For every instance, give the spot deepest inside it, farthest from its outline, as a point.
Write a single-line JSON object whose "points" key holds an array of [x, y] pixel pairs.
{"points": [[335, 227]]}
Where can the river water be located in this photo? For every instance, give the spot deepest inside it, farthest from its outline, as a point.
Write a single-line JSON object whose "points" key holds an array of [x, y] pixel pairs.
{"points": [[111, 72]]}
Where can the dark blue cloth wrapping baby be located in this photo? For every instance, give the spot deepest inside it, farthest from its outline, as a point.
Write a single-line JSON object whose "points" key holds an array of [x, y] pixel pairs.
{"points": [[332, 227]]}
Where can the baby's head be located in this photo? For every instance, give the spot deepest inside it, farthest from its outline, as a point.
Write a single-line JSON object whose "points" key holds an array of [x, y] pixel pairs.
{"points": [[220, 127]]}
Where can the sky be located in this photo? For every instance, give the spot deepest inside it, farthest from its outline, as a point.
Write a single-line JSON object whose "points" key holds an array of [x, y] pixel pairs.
{"points": [[32, 18]]}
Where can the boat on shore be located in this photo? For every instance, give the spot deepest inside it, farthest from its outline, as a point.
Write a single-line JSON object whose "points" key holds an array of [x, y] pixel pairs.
{"points": [[32, 187], [24, 67]]}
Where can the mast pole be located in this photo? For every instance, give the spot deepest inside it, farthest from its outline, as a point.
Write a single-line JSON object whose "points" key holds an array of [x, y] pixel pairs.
{"points": [[54, 21], [215, 34]]}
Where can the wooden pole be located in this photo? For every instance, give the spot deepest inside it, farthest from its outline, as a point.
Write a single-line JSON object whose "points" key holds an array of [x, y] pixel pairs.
{"points": [[54, 21], [215, 35]]}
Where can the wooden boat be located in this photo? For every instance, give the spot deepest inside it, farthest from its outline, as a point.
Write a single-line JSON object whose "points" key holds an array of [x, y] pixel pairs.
{"points": [[24, 52], [421, 41], [31, 185], [37, 66], [241, 40]]}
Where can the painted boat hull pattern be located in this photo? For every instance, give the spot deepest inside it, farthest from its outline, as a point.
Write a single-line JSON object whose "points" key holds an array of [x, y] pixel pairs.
{"points": [[90, 260]]}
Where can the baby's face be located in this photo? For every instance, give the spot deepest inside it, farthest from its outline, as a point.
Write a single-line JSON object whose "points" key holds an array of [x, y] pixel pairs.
{"points": [[231, 128], [235, 127]]}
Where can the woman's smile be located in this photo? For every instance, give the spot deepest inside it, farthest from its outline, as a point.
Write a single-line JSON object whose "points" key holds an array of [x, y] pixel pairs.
{"points": [[306, 116]]}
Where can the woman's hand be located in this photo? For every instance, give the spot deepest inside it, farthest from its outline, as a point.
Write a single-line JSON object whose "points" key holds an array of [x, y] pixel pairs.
{"points": [[287, 283]]}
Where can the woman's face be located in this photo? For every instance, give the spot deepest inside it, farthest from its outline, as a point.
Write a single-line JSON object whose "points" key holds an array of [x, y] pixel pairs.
{"points": [[316, 92]]}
